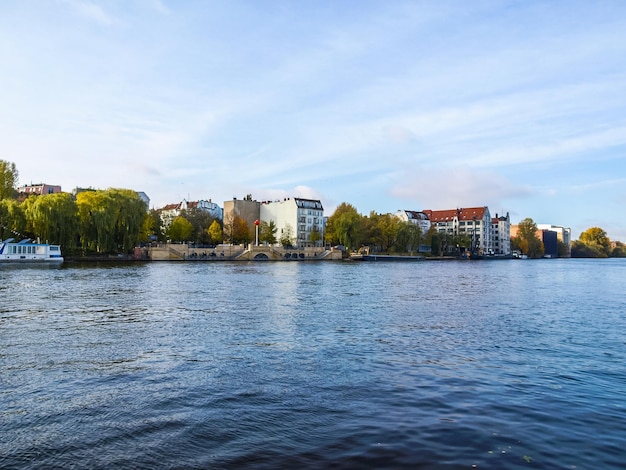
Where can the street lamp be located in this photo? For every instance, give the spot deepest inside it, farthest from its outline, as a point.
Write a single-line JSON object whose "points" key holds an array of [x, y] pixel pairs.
{"points": [[256, 226]]}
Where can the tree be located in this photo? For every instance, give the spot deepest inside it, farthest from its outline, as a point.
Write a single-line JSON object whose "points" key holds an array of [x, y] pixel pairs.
{"points": [[434, 237], [12, 219], [53, 218], [152, 229], [110, 220], [286, 237], [527, 239], [215, 232], [201, 221], [619, 251], [8, 179], [409, 237], [315, 235], [596, 239], [267, 232], [180, 229], [345, 226], [240, 231], [96, 221]]}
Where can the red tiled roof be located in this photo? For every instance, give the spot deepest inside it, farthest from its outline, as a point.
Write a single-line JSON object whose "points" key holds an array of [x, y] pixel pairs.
{"points": [[466, 213]]}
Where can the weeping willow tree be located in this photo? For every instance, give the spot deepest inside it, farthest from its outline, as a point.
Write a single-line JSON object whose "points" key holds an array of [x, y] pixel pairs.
{"points": [[52, 218], [110, 221], [12, 219]]}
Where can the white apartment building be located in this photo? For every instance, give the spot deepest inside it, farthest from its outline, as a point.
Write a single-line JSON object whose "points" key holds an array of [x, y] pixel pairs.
{"points": [[501, 230], [416, 218], [301, 217], [171, 211]]}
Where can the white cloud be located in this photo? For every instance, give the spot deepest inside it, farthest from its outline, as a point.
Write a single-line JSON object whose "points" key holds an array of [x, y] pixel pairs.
{"points": [[445, 187]]}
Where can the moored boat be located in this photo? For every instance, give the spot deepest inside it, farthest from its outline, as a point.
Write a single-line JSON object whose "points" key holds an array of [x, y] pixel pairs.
{"points": [[27, 251]]}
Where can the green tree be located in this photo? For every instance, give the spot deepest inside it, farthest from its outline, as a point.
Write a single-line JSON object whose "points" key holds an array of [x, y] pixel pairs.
{"points": [[12, 219], [434, 239], [215, 232], [267, 232], [131, 213], [527, 239], [8, 179], [596, 239], [345, 226], [94, 221], [180, 229], [409, 237], [201, 220], [110, 220], [315, 235], [53, 218], [152, 229]]}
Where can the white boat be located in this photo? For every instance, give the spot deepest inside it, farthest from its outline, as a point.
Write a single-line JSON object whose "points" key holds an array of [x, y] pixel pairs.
{"points": [[27, 251]]}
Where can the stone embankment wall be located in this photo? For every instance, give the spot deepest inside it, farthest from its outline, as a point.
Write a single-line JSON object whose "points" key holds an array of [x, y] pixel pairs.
{"points": [[182, 252]]}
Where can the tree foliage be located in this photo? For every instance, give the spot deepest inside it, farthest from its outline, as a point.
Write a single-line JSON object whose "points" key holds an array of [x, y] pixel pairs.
{"points": [[592, 243], [152, 229], [8, 179], [12, 219], [267, 232], [527, 239], [409, 237], [200, 220], [110, 221], [215, 232], [180, 229], [345, 226], [619, 251], [240, 231], [287, 238], [53, 218]]}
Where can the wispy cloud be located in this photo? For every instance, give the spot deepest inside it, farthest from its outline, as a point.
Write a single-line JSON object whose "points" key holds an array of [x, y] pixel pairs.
{"points": [[90, 11]]}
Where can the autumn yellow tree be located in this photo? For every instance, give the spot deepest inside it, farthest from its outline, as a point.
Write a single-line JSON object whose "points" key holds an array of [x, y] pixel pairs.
{"points": [[215, 232], [527, 239]]}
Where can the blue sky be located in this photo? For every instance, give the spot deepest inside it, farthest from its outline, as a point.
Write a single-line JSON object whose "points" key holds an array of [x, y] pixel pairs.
{"points": [[387, 105]]}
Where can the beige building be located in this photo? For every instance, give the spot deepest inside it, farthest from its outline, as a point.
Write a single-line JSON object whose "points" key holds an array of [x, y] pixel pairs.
{"points": [[246, 209]]}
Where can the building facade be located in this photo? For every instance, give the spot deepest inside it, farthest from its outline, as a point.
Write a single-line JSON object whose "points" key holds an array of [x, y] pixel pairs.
{"points": [[301, 220], [416, 218], [473, 222], [38, 189], [501, 232], [246, 209], [171, 211], [564, 234]]}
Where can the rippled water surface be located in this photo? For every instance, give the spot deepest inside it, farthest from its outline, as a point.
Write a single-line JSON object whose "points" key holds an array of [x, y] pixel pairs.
{"points": [[503, 364]]}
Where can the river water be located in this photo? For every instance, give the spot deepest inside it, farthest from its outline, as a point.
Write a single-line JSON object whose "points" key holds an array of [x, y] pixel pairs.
{"points": [[485, 364]]}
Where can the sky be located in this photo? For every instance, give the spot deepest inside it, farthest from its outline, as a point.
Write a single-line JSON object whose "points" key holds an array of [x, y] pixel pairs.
{"points": [[515, 105]]}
